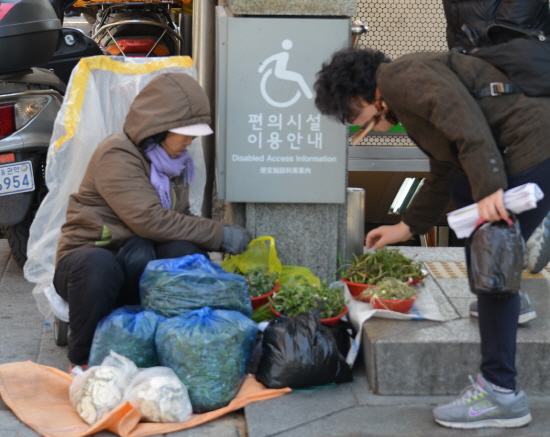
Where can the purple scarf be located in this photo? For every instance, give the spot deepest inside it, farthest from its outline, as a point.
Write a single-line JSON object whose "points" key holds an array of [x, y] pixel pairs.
{"points": [[162, 166]]}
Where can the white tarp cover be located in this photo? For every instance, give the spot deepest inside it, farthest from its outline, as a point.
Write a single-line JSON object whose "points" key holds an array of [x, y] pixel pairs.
{"points": [[98, 97], [424, 308]]}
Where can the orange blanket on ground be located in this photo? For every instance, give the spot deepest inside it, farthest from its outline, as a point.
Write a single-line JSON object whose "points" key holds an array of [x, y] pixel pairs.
{"points": [[39, 396]]}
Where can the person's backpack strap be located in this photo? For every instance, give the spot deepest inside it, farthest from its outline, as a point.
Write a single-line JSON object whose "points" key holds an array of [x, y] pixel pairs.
{"points": [[497, 89], [522, 54]]}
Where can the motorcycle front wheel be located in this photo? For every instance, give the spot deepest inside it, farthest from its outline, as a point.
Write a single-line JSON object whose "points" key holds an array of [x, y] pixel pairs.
{"points": [[18, 234]]}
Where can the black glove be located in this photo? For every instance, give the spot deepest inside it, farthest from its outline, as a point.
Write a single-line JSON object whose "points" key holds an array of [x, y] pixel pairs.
{"points": [[235, 239]]}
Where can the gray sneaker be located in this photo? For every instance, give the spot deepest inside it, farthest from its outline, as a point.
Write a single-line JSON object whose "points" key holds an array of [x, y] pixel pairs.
{"points": [[526, 310], [537, 247], [481, 406]]}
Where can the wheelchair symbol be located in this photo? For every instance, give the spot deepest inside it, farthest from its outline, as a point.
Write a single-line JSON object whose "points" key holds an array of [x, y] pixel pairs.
{"points": [[280, 72]]}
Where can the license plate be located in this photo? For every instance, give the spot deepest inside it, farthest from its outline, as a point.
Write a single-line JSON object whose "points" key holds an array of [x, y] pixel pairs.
{"points": [[16, 177]]}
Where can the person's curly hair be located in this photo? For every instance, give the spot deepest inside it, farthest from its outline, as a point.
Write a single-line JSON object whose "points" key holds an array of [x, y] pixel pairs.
{"points": [[351, 73]]}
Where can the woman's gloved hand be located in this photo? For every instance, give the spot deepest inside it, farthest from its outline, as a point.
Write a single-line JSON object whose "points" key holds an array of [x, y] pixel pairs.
{"points": [[235, 239]]}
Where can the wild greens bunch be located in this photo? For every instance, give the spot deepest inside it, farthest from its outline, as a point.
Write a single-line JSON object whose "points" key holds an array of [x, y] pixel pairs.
{"points": [[370, 268], [129, 332], [298, 298], [171, 287], [390, 288], [209, 350], [260, 281]]}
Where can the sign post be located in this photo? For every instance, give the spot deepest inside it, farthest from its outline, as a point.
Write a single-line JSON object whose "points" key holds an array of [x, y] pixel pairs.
{"points": [[276, 154], [273, 144]]}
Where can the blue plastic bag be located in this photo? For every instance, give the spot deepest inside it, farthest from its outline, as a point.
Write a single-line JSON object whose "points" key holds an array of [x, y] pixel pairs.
{"points": [[209, 350], [172, 287], [129, 332]]}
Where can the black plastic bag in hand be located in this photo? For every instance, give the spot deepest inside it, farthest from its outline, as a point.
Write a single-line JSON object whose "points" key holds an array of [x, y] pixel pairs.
{"points": [[494, 258], [300, 352]]}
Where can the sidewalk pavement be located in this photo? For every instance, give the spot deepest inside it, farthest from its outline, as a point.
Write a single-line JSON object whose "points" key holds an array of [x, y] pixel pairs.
{"points": [[346, 410]]}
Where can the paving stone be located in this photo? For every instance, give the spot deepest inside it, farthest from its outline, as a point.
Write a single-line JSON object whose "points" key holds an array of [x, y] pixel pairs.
{"points": [[445, 306], [49, 353], [232, 425], [433, 253], [296, 408], [455, 288], [462, 305], [404, 420]]}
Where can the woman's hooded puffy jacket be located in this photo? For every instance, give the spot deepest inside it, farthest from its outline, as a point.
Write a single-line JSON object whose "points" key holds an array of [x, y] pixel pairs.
{"points": [[116, 200]]}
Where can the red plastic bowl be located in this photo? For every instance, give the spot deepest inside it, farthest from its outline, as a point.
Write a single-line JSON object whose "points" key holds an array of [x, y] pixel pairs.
{"points": [[397, 305], [332, 321], [264, 298], [356, 289], [328, 321], [414, 281]]}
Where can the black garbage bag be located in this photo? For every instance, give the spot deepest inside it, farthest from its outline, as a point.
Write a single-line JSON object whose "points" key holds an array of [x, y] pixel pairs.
{"points": [[494, 259], [300, 352]]}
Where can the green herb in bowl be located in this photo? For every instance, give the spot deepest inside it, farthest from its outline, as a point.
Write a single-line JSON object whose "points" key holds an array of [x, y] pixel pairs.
{"points": [[372, 267], [391, 288], [297, 298], [260, 281]]}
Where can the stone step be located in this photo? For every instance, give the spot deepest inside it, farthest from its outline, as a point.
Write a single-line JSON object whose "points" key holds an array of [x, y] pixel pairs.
{"points": [[435, 358]]}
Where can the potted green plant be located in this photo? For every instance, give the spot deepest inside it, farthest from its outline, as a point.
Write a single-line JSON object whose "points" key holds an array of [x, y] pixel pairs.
{"points": [[391, 294], [371, 267], [297, 298], [261, 284]]}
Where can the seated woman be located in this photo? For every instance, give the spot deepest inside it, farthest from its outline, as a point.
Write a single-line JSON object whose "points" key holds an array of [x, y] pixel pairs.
{"points": [[132, 206]]}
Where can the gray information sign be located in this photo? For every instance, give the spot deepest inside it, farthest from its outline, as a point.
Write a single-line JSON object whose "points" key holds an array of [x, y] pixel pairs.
{"points": [[273, 144]]}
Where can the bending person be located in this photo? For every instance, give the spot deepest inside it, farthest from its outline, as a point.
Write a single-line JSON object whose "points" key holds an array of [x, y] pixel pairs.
{"points": [[133, 206], [477, 149]]}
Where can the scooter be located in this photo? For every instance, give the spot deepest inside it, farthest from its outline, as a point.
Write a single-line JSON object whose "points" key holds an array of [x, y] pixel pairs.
{"points": [[31, 35], [138, 29]]}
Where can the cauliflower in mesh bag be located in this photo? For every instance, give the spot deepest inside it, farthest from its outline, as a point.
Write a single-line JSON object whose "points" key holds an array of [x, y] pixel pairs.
{"points": [[160, 396], [100, 389]]}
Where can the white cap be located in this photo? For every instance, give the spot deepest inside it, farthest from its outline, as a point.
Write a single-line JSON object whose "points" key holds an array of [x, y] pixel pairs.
{"points": [[195, 130]]}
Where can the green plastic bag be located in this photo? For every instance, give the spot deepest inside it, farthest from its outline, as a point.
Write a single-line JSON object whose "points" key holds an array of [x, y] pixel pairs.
{"points": [[261, 253], [303, 275]]}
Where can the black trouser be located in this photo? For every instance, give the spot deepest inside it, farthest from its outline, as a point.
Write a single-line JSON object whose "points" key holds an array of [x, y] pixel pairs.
{"points": [[498, 318], [94, 282]]}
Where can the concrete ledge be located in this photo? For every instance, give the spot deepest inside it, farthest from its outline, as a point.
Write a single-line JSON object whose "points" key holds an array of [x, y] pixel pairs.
{"points": [[435, 358], [427, 358]]}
